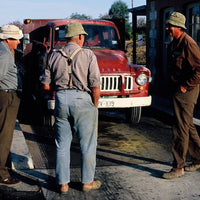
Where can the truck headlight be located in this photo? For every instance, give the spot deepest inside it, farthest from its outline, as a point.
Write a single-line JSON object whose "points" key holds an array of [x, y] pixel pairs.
{"points": [[141, 79]]}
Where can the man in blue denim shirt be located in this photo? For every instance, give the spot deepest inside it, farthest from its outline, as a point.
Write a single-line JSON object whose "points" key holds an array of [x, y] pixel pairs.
{"points": [[9, 101], [76, 98]]}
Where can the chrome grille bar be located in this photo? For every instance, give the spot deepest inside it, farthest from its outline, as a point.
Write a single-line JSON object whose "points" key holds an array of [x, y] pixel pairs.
{"points": [[128, 83], [110, 83], [114, 83]]}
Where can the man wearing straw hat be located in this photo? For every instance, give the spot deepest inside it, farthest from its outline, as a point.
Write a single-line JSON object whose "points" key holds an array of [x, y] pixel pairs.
{"points": [[184, 67], [9, 101], [75, 74]]}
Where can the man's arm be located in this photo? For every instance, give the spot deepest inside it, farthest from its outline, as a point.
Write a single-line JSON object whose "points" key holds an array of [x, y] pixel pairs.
{"points": [[183, 89], [46, 87], [95, 95], [193, 59]]}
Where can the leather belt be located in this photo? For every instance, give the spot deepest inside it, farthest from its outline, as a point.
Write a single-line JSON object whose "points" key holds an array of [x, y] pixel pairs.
{"points": [[8, 91]]}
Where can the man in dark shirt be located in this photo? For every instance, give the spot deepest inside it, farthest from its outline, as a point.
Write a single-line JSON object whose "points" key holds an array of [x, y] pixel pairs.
{"points": [[9, 101], [184, 67]]}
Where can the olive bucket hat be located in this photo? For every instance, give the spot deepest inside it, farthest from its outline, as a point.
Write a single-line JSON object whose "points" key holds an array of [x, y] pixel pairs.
{"points": [[10, 31], [74, 29], [177, 19]]}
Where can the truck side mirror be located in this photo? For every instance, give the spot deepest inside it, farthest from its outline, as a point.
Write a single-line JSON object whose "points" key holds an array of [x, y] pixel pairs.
{"points": [[26, 38]]}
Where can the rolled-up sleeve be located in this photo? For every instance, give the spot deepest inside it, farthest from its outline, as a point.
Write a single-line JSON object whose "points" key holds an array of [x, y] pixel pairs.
{"points": [[194, 62], [94, 73], [4, 57], [46, 76]]}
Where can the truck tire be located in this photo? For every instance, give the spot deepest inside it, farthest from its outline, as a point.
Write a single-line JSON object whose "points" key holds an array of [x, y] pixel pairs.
{"points": [[133, 115], [52, 120], [49, 120]]}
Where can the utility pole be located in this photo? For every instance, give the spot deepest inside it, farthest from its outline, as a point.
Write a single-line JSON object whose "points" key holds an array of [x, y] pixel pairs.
{"points": [[134, 27]]}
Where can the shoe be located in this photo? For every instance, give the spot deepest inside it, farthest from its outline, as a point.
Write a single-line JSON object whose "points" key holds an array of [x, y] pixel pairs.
{"points": [[192, 167], [174, 173], [64, 188], [91, 186], [10, 182]]}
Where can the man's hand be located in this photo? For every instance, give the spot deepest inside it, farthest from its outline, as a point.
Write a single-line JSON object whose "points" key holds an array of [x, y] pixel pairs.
{"points": [[46, 87], [95, 95], [183, 89]]}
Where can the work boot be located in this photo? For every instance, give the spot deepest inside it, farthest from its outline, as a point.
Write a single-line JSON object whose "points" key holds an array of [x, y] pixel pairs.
{"points": [[192, 167], [174, 173], [91, 186], [10, 182], [64, 188]]}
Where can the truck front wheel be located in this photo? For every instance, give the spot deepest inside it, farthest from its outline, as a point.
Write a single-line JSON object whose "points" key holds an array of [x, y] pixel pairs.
{"points": [[133, 114], [48, 120]]}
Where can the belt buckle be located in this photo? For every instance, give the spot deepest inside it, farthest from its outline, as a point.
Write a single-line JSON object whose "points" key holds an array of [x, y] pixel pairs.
{"points": [[4, 90], [10, 91]]}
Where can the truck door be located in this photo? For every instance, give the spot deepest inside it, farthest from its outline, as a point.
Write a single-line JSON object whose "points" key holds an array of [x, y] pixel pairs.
{"points": [[120, 23]]}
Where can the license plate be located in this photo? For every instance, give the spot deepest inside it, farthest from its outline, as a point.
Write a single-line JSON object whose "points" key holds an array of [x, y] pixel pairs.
{"points": [[106, 103]]}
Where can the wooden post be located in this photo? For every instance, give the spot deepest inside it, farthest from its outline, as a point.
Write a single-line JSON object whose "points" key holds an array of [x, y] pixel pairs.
{"points": [[134, 27]]}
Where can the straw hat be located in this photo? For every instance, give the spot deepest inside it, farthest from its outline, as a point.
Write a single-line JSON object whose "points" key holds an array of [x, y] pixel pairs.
{"points": [[10, 31], [74, 29], [177, 19]]}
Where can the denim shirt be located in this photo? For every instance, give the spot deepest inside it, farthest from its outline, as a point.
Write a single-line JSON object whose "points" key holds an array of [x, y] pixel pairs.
{"points": [[8, 69]]}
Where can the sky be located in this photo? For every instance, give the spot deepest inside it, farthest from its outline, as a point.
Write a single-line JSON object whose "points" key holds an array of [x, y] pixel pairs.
{"points": [[18, 10]]}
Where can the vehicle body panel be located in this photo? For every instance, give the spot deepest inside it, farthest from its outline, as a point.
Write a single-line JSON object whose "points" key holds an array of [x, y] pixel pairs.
{"points": [[119, 86]]}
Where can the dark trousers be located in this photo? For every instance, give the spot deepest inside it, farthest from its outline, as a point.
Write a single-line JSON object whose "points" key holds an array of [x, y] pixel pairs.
{"points": [[185, 135], [9, 103]]}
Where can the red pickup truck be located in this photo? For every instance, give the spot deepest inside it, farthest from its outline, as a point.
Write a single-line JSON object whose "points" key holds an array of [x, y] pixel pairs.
{"points": [[123, 85]]}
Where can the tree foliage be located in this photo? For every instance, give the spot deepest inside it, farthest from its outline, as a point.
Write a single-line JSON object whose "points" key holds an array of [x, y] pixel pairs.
{"points": [[79, 16], [141, 22], [119, 10], [17, 23], [105, 16]]}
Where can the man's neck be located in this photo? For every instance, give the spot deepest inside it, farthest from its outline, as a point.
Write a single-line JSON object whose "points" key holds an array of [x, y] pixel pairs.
{"points": [[178, 35]]}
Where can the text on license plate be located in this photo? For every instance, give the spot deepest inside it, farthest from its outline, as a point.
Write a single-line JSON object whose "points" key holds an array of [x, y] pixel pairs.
{"points": [[106, 103]]}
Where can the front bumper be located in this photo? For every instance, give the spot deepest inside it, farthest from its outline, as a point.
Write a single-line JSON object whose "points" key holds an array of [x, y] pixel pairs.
{"points": [[116, 102], [124, 102]]}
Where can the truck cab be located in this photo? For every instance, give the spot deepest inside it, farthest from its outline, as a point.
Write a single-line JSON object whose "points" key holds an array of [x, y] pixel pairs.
{"points": [[123, 85]]}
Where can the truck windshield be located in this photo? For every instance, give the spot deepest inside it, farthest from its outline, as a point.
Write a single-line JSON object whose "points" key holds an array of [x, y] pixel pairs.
{"points": [[99, 36]]}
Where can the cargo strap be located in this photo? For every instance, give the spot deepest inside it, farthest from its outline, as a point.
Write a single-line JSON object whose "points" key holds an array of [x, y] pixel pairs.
{"points": [[69, 61]]}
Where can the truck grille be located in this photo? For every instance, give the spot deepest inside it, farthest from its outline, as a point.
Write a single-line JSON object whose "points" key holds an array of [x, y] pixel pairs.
{"points": [[114, 83], [128, 83]]}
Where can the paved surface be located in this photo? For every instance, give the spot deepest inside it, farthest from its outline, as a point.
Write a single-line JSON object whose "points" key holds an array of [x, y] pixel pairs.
{"points": [[124, 176], [124, 181], [20, 155], [137, 182]]}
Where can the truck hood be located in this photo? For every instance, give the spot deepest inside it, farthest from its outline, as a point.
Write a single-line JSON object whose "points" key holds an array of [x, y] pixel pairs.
{"points": [[111, 60]]}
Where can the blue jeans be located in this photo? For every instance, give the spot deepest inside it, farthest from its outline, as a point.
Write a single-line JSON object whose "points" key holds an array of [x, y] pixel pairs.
{"points": [[76, 105]]}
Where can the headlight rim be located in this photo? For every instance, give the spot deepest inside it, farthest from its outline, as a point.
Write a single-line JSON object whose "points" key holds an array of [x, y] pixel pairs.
{"points": [[141, 79]]}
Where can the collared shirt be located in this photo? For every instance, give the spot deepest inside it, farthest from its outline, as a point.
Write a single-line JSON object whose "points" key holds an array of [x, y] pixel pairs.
{"points": [[8, 69], [184, 62], [85, 69]]}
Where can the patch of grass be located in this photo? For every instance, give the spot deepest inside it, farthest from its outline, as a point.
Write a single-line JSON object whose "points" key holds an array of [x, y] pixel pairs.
{"points": [[140, 52]]}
